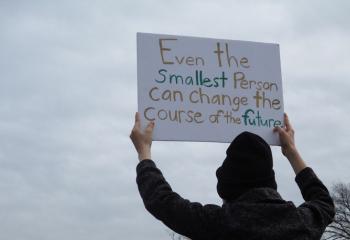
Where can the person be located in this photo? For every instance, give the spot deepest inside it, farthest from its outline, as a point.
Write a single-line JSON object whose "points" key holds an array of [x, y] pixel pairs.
{"points": [[252, 208]]}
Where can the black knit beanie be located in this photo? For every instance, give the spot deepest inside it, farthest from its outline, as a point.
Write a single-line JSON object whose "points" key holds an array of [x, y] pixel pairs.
{"points": [[248, 165]]}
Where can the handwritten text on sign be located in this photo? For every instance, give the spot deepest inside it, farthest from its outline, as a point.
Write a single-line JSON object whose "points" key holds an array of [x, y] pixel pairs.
{"points": [[199, 89]]}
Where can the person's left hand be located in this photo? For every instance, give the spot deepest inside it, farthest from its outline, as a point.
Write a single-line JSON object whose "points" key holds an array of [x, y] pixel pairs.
{"points": [[142, 140]]}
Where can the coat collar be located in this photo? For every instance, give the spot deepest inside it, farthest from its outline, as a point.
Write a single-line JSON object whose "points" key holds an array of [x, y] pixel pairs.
{"points": [[258, 195]]}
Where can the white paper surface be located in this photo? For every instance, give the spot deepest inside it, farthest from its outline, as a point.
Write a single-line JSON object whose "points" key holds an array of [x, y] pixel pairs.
{"points": [[202, 89]]}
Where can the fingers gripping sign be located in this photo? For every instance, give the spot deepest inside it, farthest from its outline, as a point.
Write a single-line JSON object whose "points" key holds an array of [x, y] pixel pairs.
{"points": [[142, 139], [286, 134], [288, 146]]}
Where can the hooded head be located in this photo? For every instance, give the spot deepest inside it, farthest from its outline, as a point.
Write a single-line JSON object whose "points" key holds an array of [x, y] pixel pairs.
{"points": [[248, 165]]}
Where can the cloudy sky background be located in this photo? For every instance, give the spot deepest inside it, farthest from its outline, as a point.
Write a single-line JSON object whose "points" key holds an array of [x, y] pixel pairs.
{"points": [[68, 97]]}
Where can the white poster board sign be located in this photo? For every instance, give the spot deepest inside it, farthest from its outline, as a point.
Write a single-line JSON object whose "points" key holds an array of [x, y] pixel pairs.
{"points": [[202, 89]]}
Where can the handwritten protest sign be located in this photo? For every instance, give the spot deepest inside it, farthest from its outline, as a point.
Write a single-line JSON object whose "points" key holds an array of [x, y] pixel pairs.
{"points": [[201, 89]]}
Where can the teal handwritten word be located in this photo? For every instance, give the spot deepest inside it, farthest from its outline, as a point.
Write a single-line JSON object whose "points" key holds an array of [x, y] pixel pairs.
{"points": [[198, 79], [252, 118]]}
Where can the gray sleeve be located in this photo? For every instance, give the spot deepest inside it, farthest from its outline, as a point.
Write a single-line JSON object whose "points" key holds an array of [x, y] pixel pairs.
{"points": [[317, 211], [187, 218]]}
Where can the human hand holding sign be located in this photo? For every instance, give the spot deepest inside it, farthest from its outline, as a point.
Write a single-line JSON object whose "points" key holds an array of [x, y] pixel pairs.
{"points": [[142, 139], [286, 137], [288, 146]]}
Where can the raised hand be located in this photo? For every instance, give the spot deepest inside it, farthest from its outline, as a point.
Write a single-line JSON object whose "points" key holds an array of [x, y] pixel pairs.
{"points": [[288, 146], [142, 139]]}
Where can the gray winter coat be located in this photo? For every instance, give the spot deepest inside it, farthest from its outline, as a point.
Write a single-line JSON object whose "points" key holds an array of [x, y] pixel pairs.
{"points": [[260, 213]]}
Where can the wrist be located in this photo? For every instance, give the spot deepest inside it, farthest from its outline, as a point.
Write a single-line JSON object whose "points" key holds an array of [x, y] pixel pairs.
{"points": [[145, 155], [291, 152], [296, 161]]}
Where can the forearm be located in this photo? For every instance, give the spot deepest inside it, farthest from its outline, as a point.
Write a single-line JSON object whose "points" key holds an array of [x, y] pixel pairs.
{"points": [[180, 215], [155, 191], [295, 160], [145, 155], [318, 201]]}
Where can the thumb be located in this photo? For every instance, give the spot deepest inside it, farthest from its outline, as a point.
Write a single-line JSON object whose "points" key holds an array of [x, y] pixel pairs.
{"points": [[277, 129], [150, 126]]}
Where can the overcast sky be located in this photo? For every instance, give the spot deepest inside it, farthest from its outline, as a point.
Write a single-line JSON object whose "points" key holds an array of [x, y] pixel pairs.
{"points": [[68, 97]]}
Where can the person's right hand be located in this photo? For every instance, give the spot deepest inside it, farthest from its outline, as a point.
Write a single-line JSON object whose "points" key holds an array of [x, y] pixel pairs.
{"points": [[288, 147], [286, 135]]}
